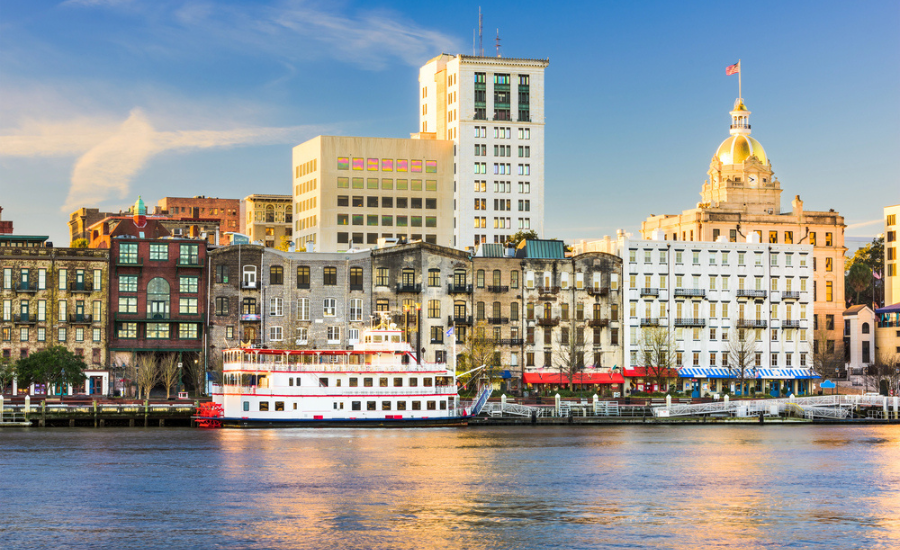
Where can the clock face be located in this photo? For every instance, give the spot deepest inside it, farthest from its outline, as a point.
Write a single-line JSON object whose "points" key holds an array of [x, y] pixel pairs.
{"points": [[752, 180]]}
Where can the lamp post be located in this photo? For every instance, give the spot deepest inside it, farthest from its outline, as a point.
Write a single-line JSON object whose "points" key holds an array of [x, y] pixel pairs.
{"points": [[418, 333]]}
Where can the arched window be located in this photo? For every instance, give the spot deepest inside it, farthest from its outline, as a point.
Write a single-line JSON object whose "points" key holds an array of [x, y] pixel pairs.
{"points": [[289, 214], [158, 298], [865, 328], [270, 214]]}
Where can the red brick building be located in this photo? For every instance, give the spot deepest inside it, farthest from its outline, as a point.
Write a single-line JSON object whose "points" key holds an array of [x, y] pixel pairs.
{"points": [[6, 227], [202, 207], [157, 292]]}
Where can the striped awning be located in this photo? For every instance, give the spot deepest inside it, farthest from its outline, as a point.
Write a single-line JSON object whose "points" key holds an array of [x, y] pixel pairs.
{"points": [[753, 373]]}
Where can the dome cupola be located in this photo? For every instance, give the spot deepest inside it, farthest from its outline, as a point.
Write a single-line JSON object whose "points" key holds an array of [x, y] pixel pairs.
{"points": [[740, 146]]}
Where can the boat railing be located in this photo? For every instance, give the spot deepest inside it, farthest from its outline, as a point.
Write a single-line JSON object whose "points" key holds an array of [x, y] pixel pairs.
{"points": [[332, 367], [370, 391]]}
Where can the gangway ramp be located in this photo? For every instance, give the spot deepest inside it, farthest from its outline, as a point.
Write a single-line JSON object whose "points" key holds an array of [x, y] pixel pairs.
{"points": [[822, 406]]}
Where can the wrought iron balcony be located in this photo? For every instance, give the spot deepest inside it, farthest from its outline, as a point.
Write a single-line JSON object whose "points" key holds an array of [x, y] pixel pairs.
{"points": [[746, 293], [649, 292], [509, 342], [497, 288], [598, 322], [600, 291], [691, 292], [81, 287], [751, 323], [124, 261], [547, 289], [250, 285], [497, 320], [464, 320], [689, 322], [24, 319], [791, 323], [414, 288], [353, 287], [81, 318], [187, 261], [454, 288], [548, 321], [790, 295], [28, 287], [649, 321]]}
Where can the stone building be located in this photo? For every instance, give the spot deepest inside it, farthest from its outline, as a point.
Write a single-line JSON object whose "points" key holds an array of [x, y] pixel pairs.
{"points": [[158, 289], [743, 196], [262, 297], [431, 281], [200, 207], [267, 219], [571, 314], [56, 296]]}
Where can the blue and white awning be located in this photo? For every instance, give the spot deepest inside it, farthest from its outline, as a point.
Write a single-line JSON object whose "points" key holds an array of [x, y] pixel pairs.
{"points": [[752, 373]]}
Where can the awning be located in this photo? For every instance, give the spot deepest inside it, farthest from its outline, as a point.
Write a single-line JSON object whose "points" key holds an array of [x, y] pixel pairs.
{"points": [[708, 372], [895, 308], [580, 378], [647, 372], [750, 374]]}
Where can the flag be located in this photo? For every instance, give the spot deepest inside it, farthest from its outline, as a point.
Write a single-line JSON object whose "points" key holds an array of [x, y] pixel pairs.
{"points": [[876, 274], [732, 69], [449, 332]]}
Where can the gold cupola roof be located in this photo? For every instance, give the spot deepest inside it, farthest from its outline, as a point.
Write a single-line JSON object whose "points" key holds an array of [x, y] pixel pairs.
{"points": [[738, 148]]}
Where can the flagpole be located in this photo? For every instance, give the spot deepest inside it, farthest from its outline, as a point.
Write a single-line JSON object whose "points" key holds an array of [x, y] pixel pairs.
{"points": [[740, 94]]}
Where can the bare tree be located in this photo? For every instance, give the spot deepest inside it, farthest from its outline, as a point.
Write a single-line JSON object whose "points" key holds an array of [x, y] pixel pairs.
{"points": [[480, 349], [742, 350], [146, 374], [658, 353], [828, 355], [196, 373], [169, 372], [885, 373], [569, 352]]}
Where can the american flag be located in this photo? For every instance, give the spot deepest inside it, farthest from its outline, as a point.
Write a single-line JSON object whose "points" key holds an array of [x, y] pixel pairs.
{"points": [[732, 69], [450, 332], [876, 274]]}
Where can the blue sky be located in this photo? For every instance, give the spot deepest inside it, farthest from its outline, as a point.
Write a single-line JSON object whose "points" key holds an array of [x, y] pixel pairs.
{"points": [[103, 100]]}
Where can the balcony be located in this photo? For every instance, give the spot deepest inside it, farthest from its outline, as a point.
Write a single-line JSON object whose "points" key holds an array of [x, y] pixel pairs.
{"points": [[81, 287], [689, 322], [649, 321], [189, 262], [751, 323], [497, 288], [28, 288], [649, 292], [744, 293], [498, 320], [691, 292], [24, 319], [454, 288], [413, 288], [80, 318], [547, 289], [464, 320], [598, 291], [509, 342], [548, 321], [598, 322], [791, 323], [790, 295], [124, 261], [249, 285]]}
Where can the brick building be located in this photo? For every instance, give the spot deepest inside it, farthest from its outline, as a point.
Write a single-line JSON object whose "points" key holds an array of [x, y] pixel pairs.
{"points": [[55, 296], [158, 291], [82, 219], [6, 227], [200, 207]]}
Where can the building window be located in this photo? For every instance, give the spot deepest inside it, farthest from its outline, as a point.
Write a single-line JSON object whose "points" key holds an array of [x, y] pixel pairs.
{"points": [[222, 305], [303, 276], [221, 274], [157, 331], [188, 306], [276, 334], [334, 335], [188, 331], [276, 275], [276, 307], [189, 254], [159, 252], [356, 309], [330, 276], [329, 307], [356, 278]]}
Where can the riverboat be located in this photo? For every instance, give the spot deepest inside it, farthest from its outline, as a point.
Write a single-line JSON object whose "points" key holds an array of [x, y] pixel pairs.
{"points": [[377, 383]]}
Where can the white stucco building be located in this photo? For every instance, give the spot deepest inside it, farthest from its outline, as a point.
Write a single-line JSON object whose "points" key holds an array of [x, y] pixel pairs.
{"points": [[701, 291], [859, 341], [492, 108]]}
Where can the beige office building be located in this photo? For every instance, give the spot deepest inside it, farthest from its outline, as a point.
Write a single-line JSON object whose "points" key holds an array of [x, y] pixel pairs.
{"points": [[891, 250], [351, 191], [743, 196], [267, 219]]}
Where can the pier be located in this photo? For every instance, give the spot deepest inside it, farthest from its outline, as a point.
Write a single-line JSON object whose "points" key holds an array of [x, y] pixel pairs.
{"points": [[96, 414]]}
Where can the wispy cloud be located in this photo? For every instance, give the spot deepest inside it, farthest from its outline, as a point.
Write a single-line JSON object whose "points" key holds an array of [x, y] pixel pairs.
{"points": [[864, 224], [110, 156]]}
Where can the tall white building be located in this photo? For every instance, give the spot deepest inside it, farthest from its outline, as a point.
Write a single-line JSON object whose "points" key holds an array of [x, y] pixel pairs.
{"points": [[701, 291], [492, 108]]}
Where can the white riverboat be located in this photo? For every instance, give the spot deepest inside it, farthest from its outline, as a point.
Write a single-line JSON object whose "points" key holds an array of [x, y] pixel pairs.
{"points": [[378, 383]]}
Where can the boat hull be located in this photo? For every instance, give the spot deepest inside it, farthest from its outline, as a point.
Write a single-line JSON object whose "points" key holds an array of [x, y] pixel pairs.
{"points": [[452, 421]]}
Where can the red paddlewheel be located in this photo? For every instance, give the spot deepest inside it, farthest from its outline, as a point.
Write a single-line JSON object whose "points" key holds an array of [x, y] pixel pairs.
{"points": [[207, 413]]}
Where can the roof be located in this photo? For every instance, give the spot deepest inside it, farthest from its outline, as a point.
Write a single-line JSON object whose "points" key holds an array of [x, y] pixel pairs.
{"points": [[579, 378], [28, 238], [492, 250], [542, 249], [854, 310], [889, 309]]}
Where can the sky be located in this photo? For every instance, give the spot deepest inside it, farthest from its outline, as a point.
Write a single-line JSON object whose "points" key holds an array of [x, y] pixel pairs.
{"points": [[105, 100]]}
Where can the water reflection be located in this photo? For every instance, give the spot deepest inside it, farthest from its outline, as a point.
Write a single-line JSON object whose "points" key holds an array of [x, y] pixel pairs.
{"points": [[567, 487]]}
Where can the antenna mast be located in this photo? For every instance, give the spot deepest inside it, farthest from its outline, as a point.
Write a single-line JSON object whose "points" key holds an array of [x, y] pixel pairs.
{"points": [[480, 34], [498, 43]]}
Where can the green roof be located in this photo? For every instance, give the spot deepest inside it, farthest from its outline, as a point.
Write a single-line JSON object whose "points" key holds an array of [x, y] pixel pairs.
{"points": [[543, 249], [30, 238]]}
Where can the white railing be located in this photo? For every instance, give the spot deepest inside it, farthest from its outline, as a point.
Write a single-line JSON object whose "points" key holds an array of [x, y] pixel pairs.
{"points": [[821, 406], [334, 367], [318, 391]]}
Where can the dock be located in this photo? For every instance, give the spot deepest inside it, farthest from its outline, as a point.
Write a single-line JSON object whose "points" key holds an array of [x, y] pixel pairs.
{"points": [[97, 414]]}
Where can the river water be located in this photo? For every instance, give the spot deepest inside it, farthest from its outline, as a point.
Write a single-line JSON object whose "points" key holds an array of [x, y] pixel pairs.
{"points": [[525, 487]]}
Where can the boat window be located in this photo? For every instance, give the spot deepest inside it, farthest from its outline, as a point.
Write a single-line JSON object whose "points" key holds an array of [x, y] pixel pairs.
{"points": [[401, 405], [246, 405], [370, 405], [417, 405], [367, 382], [263, 382], [426, 382], [338, 382], [398, 382], [290, 381], [443, 405], [431, 406], [395, 339], [354, 382], [385, 405], [413, 382], [323, 382], [356, 405], [263, 405], [382, 383], [295, 406], [378, 338], [353, 359], [279, 405]]}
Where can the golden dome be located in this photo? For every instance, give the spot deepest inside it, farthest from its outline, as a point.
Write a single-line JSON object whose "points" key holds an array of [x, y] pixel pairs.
{"points": [[738, 148], [739, 105]]}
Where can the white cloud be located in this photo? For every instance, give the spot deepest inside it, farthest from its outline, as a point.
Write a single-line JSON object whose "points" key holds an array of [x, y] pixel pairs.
{"points": [[864, 224]]}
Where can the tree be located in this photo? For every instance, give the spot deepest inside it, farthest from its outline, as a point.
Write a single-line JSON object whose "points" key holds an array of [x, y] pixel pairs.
{"points": [[169, 372], [146, 373], [658, 353], [80, 243], [828, 356], [858, 280], [569, 352], [884, 374], [55, 366], [521, 235], [742, 350], [478, 350], [871, 257], [7, 374], [196, 373]]}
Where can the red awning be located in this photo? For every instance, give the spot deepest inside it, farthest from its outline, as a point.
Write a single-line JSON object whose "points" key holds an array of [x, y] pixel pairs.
{"points": [[580, 378], [645, 372]]}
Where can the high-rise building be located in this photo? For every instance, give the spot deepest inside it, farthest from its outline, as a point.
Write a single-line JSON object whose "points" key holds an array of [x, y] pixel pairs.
{"points": [[891, 250], [743, 196], [349, 192], [492, 108]]}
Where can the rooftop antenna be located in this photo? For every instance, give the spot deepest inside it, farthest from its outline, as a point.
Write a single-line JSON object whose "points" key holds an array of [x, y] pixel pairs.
{"points": [[480, 34], [497, 40]]}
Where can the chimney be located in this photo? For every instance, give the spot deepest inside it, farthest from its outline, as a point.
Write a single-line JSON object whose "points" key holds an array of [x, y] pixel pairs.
{"points": [[310, 246], [797, 205]]}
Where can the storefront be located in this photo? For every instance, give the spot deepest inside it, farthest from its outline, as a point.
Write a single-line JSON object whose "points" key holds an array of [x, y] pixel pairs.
{"points": [[600, 382], [704, 381], [650, 380]]}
